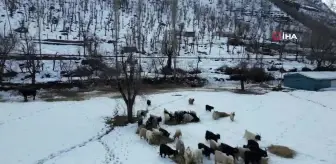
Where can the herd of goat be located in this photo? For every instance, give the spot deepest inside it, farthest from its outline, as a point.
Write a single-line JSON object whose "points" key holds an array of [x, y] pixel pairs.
{"points": [[223, 153]]}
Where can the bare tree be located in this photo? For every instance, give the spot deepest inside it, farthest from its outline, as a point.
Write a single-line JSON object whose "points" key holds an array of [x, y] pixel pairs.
{"points": [[129, 83], [322, 51], [242, 73], [174, 7], [12, 6], [7, 44], [116, 4], [28, 48]]}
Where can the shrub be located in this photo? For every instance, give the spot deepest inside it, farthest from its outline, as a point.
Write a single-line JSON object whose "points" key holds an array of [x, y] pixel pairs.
{"points": [[235, 77], [325, 69], [194, 71], [258, 75], [273, 68], [306, 69], [230, 71], [293, 70]]}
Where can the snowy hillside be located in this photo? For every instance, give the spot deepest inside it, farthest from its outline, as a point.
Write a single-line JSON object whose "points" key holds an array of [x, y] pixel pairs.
{"points": [[73, 132], [147, 25], [71, 20]]}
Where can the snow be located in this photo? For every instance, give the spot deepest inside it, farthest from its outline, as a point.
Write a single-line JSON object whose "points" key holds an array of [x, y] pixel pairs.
{"points": [[72, 132], [330, 4], [152, 31], [323, 75]]}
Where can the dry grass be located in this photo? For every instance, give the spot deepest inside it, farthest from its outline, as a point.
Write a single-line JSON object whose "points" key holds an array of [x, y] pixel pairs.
{"points": [[118, 121], [173, 122], [282, 151], [64, 99]]}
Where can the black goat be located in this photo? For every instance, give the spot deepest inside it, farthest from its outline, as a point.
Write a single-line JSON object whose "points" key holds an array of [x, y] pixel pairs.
{"points": [[251, 143], [252, 157], [151, 123], [207, 151], [157, 118], [28, 92], [164, 132], [259, 150], [195, 118], [149, 102], [178, 116], [166, 150], [168, 113], [228, 150], [210, 135], [208, 108]]}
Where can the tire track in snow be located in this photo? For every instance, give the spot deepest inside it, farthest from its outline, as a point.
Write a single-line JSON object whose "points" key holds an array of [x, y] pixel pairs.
{"points": [[300, 118], [312, 101], [103, 132]]}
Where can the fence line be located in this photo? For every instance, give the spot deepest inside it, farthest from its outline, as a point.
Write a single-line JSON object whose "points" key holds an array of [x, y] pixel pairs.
{"points": [[77, 57]]}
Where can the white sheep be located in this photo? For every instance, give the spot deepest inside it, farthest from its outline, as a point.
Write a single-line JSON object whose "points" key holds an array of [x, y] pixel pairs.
{"points": [[149, 136], [187, 117], [242, 152], [166, 117], [198, 156], [222, 158], [157, 132], [251, 136], [195, 156], [142, 133], [217, 115], [213, 144], [178, 134], [188, 156], [142, 113], [180, 146], [232, 115]]}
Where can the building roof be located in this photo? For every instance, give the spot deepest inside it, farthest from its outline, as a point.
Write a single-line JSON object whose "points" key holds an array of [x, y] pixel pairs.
{"points": [[323, 75]]}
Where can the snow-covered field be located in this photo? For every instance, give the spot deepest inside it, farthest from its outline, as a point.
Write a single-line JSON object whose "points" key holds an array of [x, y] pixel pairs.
{"points": [[68, 132]]}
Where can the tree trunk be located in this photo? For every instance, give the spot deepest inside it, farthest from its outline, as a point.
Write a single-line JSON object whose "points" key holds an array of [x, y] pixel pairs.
{"points": [[130, 111], [242, 85], [33, 76], [2, 67], [169, 60]]}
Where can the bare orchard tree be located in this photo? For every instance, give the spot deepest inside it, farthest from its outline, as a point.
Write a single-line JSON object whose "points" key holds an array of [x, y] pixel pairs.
{"points": [[28, 48], [174, 12], [129, 83], [242, 73], [322, 51], [7, 44]]}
